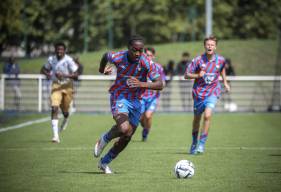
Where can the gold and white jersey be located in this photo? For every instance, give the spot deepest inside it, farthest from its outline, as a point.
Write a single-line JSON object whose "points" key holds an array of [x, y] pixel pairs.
{"points": [[66, 66]]}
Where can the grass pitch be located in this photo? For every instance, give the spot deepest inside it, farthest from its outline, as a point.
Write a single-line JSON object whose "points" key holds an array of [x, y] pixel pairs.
{"points": [[243, 153]]}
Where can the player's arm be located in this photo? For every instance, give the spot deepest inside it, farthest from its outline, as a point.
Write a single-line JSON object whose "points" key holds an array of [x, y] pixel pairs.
{"points": [[188, 75], [226, 85], [193, 71], [46, 72], [73, 75], [104, 69], [156, 84]]}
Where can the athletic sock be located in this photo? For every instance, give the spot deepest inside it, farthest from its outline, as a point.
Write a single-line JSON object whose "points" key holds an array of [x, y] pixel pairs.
{"points": [[106, 137], [203, 138], [55, 128], [145, 132], [194, 137], [108, 157]]}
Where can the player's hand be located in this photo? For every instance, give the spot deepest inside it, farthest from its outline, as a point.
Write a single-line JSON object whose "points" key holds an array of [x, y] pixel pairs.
{"points": [[201, 73], [227, 87], [59, 75], [133, 82], [48, 76], [108, 70]]}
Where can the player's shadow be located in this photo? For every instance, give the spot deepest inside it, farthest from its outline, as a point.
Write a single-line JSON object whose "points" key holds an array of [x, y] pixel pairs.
{"points": [[275, 155], [85, 172], [270, 172], [82, 172]]}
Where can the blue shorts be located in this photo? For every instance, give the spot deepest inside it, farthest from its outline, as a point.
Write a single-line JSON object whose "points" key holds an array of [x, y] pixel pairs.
{"points": [[131, 107], [149, 104], [200, 105]]}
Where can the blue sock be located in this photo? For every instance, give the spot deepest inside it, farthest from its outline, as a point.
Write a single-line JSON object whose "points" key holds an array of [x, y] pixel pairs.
{"points": [[194, 137], [108, 157], [203, 138], [145, 132], [105, 137]]}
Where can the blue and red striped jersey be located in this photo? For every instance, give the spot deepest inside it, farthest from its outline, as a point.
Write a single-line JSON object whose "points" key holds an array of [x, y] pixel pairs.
{"points": [[148, 93], [140, 69], [208, 84]]}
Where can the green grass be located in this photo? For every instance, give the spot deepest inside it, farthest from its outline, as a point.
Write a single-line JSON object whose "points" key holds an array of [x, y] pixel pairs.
{"points": [[249, 57], [13, 118], [243, 154]]}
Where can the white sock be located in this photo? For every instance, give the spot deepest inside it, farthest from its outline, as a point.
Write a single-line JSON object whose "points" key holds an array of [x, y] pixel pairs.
{"points": [[55, 123]]}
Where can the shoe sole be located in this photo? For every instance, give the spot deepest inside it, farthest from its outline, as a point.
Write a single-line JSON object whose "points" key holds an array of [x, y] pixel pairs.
{"points": [[95, 150]]}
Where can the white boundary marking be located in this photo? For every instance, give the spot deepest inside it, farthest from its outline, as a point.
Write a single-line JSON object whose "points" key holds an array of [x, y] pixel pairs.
{"points": [[21, 125]]}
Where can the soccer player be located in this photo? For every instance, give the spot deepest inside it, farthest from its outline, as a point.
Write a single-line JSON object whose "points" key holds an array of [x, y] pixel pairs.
{"points": [[133, 68], [61, 69], [150, 98], [205, 70]]}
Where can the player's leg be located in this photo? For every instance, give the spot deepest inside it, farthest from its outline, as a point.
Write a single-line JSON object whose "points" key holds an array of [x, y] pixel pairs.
{"points": [[150, 109], [56, 97], [126, 124], [205, 130], [67, 98], [210, 104], [198, 109], [115, 131], [147, 122], [119, 109]]}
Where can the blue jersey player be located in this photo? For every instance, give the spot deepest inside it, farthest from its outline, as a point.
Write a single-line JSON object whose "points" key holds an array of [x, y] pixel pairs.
{"points": [[133, 68], [205, 70], [150, 98]]}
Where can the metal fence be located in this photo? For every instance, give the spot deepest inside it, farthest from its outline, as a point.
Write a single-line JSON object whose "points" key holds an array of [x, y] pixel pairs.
{"points": [[248, 94]]}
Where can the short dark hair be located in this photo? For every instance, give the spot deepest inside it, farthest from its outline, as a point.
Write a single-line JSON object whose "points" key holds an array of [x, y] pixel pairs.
{"points": [[211, 37], [135, 38], [151, 49], [60, 44], [185, 54]]}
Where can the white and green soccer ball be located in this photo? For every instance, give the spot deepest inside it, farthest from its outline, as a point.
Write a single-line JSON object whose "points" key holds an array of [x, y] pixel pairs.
{"points": [[184, 169]]}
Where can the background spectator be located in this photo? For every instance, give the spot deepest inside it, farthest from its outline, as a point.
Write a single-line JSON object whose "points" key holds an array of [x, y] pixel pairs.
{"points": [[183, 84], [169, 73], [12, 69]]}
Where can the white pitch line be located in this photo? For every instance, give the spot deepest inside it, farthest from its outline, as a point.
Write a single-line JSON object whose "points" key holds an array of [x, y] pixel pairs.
{"points": [[21, 125]]}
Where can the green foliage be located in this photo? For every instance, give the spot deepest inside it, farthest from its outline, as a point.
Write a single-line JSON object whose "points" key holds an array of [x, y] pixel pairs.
{"points": [[92, 23]]}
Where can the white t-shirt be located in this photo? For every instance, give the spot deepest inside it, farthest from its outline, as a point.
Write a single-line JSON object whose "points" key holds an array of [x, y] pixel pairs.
{"points": [[66, 66]]}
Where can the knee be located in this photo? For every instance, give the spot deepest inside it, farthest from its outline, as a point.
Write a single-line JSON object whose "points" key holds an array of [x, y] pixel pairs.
{"points": [[148, 116], [125, 129], [207, 117]]}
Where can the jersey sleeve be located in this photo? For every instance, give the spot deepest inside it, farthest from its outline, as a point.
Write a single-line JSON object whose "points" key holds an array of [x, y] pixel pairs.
{"points": [[153, 72], [192, 67], [72, 65], [48, 65], [222, 65], [112, 57]]}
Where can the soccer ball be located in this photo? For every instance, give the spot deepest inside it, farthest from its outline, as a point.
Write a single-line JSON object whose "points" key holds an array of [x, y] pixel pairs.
{"points": [[184, 169]]}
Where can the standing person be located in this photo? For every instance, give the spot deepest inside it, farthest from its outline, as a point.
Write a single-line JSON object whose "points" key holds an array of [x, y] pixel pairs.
{"points": [[77, 81], [181, 67], [62, 70], [133, 68], [166, 95], [12, 69], [229, 105], [205, 70], [150, 98]]}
